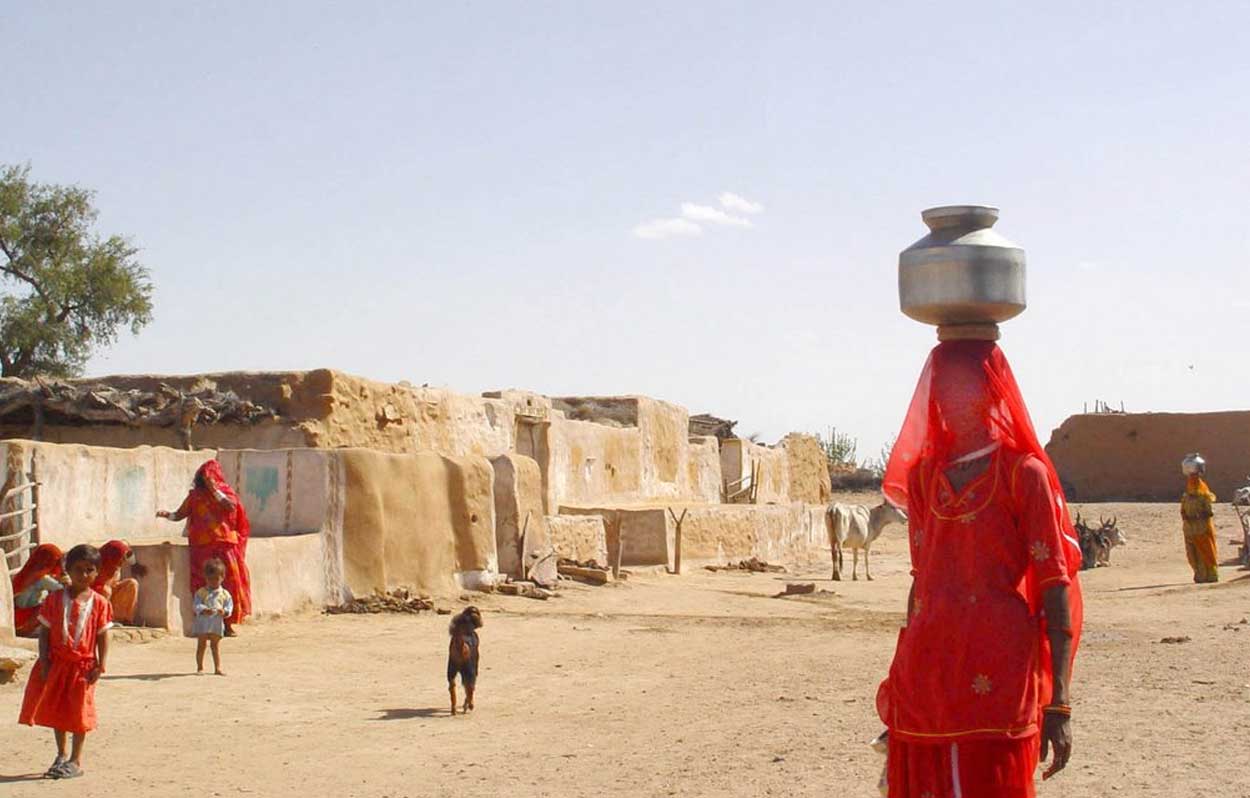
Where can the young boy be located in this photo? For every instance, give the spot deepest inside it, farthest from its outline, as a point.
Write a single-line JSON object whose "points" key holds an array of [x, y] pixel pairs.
{"points": [[73, 648], [213, 604]]}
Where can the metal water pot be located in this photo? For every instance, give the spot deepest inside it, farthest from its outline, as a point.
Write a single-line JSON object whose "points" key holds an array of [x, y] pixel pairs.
{"points": [[962, 272]]}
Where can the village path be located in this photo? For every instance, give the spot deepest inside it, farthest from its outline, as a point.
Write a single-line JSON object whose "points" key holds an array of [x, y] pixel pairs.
{"points": [[694, 686]]}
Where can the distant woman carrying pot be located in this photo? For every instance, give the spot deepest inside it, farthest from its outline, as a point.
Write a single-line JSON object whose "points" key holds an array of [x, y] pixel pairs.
{"points": [[1198, 521], [217, 527]]}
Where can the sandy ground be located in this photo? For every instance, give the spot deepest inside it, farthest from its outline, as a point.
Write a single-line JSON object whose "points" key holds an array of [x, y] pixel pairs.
{"points": [[693, 686]]}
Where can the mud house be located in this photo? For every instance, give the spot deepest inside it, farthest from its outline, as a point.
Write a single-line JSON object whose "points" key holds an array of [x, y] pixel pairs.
{"points": [[1137, 456], [354, 485]]}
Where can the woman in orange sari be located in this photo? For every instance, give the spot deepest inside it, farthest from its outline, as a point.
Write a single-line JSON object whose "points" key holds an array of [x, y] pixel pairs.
{"points": [[31, 585], [1198, 522], [217, 527]]}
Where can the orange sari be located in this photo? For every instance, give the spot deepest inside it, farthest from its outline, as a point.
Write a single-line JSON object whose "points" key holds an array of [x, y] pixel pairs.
{"points": [[1198, 522]]}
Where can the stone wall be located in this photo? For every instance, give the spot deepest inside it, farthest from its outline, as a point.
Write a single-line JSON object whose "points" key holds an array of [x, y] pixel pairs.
{"points": [[6, 609], [326, 524], [589, 449], [520, 525], [579, 537], [317, 409], [627, 450], [808, 469], [422, 521], [1137, 456], [703, 469], [287, 576], [713, 533], [93, 494], [743, 459]]}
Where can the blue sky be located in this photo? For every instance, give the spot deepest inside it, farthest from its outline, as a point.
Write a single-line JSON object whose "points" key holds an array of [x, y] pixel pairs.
{"points": [[450, 192]]}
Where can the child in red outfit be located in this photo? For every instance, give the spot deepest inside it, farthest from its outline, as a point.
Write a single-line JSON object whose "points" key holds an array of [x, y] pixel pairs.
{"points": [[73, 647]]}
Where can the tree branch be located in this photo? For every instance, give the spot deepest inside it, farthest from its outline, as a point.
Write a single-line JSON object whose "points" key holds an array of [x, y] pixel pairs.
{"points": [[31, 281]]}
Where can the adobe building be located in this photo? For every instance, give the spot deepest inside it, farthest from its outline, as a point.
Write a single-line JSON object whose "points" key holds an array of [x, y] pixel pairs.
{"points": [[1137, 456], [355, 486]]}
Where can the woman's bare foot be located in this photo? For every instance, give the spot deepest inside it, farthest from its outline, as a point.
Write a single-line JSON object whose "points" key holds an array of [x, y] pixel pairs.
{"points": [[219, 672]]}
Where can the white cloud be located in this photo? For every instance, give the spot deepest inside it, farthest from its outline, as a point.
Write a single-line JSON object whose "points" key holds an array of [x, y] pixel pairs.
{"points": [[667, 228], [706, 213], [735, 202]]}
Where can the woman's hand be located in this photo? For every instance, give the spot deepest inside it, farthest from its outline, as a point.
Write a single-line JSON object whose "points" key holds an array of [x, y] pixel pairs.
{"points": [[93, 675], [163, 514], [1056, 735]]}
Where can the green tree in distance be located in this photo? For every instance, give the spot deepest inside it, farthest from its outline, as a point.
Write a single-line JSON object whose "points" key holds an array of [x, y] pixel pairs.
{"points": [[64, 291]]}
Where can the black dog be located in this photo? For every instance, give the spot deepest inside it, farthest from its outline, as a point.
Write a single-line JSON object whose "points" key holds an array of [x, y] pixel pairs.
{"points": [[462, 655]]}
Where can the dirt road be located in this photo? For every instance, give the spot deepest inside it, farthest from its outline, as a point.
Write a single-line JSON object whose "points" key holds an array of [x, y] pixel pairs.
{"points": [[695, 686]]}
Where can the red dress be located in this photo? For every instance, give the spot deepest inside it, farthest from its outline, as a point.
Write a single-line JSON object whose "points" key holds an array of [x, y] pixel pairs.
{"points": [[972, 670], [64, 701], [965, 687], [211, 533], [218, 527]]}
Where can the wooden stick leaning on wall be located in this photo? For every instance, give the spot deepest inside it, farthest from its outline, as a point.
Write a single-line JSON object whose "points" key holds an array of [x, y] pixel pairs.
{"points": [[677, 542], [521, 558], [620, 551]]}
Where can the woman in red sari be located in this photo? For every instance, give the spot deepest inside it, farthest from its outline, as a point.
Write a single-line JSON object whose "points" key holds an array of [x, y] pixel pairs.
{"points": [[217, 527], [978, 688], [32, 584], [123, 594]]}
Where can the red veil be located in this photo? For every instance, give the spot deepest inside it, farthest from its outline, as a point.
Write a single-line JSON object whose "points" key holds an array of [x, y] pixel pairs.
{"points": [[216, 479], [45, 560], [112, 555], [950, 380]]}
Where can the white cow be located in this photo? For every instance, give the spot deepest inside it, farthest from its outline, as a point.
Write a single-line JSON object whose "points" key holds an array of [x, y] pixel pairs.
{"points": [[856, 527]]}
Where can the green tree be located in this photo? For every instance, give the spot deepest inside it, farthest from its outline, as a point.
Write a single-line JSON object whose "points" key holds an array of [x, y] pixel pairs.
{"points": [[64, 291], [839, 447]]}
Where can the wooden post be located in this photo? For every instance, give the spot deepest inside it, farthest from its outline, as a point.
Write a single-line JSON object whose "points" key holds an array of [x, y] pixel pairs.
{"points": [[677, 543], [620, 550], [521, 558], [35, 534]]}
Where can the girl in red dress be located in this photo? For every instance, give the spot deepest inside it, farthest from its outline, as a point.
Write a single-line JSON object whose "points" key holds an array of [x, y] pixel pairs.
{"points": [[978, 689], [217, 528], [73, 648]]}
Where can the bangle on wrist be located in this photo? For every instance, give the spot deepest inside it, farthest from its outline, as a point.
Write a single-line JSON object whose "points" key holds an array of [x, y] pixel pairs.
{"points": [[1057, 709]]}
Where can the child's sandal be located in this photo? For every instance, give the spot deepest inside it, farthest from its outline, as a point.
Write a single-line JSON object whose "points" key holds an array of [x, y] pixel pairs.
{"points": [[68, 771], [51, 772]]}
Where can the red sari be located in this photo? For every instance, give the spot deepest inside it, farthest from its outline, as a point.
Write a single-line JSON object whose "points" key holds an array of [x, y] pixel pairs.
{"points": [[113, 555], [218, 527], [64, 700], [123, 594], [45, 560], [972, 669]]}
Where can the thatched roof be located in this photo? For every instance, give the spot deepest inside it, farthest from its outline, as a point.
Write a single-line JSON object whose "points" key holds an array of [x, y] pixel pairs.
{"points": [[82, 402], [705, 424]]}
